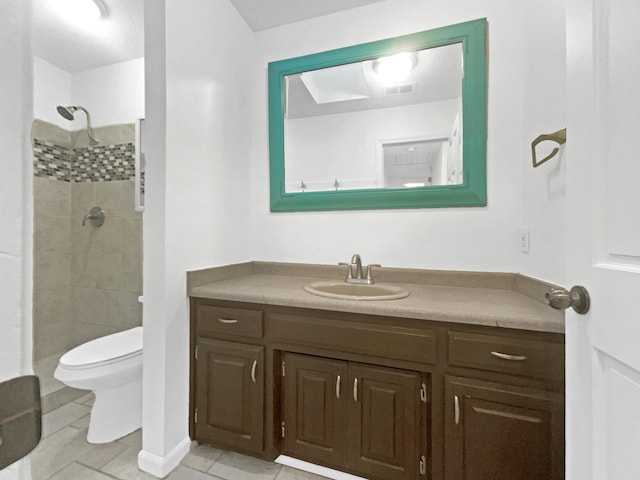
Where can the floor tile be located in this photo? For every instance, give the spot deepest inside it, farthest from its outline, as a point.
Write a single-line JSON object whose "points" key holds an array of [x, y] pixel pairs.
{"points": [[234, 466], [134, 439], [125, 466], [57, 451], [87, 399], [82, 423], [61, 417], [201, 457], [185, 473], [79, 472], [102, 454]]}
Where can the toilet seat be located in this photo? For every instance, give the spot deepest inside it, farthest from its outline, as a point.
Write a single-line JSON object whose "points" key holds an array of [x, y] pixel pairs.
{"points": [[101, 351]]}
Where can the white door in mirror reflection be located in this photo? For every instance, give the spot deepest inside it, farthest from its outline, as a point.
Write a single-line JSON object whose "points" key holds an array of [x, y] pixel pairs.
{"points": [[345, 127], [421, 162]]}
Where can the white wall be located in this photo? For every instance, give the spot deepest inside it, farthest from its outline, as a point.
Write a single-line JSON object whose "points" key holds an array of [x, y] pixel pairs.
{"points": [[198, 61], [355, 137], [51, 87], [543, 194], [113, 94], [15, 198], [461, 238]]}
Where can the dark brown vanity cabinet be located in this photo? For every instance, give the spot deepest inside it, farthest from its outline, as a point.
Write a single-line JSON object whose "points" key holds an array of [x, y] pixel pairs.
{"points": [[379, 397], [507, 426], [497, 431], [228, 379], [352, 416]]}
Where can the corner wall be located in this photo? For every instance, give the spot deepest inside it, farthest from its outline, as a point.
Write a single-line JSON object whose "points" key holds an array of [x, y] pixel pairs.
{"points": [[198, 56], [16, 199]]}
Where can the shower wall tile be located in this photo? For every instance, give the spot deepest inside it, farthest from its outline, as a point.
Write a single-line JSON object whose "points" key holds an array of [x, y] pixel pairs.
{"points": [[83, 198], [117, 198], [86, 279], [51, 234], [52, 314], [52, 269], [108, 135], [51, 339], [106, 271], [51, 198], [52, 305]]}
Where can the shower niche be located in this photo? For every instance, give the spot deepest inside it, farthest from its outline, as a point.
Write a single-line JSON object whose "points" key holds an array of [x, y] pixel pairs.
{"points": [[87, 279]]}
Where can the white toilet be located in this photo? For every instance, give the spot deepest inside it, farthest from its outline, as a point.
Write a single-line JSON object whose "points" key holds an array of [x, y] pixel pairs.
{"points": [[111, 366]]}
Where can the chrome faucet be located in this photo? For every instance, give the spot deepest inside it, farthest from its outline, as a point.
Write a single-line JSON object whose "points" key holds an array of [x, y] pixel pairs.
{"points": [[95, 216], [358, 277]]}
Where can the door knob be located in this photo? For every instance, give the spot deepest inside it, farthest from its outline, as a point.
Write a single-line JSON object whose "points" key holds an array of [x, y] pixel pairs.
{"points": [[561, 299]]}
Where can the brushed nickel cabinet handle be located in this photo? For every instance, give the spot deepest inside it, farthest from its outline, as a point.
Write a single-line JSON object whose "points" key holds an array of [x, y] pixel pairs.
{"points": [[355, 389], [227, 320], [338, 387], [253, 371], [456, 409], [506, 356]]}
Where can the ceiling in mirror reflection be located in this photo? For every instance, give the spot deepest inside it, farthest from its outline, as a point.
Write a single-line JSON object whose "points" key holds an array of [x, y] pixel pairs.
{"points": [[436, 74]]}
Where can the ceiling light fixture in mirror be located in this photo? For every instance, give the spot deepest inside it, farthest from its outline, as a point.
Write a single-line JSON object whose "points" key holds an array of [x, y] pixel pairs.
{"points": [[397, 123]]}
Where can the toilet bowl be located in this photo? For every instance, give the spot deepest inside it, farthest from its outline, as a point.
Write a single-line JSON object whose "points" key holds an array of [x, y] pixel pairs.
{"points": [[111, 367]]}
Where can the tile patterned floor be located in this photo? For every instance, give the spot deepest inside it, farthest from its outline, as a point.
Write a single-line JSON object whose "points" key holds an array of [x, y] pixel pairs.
{"points": [[64, 454]]}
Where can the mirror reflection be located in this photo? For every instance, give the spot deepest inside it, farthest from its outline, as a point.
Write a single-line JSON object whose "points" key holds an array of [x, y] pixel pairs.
{"points": [[389, 122]]}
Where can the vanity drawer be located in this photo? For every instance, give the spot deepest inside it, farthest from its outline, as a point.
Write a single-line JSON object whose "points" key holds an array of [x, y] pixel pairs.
{"points": [[388, 341], [232, 321], [527, 357]]}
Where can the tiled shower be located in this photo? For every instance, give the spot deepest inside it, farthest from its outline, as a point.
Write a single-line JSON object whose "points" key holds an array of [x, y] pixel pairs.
{"points": [[87, 279]]}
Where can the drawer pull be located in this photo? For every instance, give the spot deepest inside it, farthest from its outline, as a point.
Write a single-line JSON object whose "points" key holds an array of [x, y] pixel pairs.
{"points": [[338, 387], [227, 320], [253, 371], [506, 356], [456, 409], [355, 389]]}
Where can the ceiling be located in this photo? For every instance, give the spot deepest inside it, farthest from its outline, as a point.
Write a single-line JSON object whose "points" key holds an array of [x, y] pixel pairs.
{"points": [[119, 37]]}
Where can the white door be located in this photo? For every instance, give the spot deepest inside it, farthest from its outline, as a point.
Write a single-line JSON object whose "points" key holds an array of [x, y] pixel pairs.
{"points": [[603, 248]]}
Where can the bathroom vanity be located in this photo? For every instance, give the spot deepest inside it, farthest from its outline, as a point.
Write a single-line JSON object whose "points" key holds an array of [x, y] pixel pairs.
{"points": [[466, 374]]}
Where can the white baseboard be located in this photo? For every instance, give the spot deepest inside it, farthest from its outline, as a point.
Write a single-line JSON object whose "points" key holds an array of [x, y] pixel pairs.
{"points": [[161, 466], [317, 469]]}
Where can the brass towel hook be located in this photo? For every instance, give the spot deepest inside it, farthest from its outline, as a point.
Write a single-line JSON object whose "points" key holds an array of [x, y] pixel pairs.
{"points": [[559, 137]]}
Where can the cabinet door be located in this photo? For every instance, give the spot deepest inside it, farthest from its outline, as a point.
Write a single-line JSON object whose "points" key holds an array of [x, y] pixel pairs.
{"points": [[230, 394], [384, 422], [314, 410], [500, 432]]}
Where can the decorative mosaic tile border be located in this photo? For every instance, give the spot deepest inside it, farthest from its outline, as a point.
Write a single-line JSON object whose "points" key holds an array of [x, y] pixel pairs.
{"points": [[100, 163], [51, 160]]}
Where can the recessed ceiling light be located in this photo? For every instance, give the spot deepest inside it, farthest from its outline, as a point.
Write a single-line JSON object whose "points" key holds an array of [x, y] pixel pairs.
{"points": [[395, 68], [82, 10]]}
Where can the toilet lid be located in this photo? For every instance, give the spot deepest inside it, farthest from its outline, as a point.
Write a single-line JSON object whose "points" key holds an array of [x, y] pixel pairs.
{"points": [[111, 347]]}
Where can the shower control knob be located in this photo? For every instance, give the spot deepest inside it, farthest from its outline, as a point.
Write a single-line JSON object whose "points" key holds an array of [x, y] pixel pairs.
{"points": [[561, 299]]}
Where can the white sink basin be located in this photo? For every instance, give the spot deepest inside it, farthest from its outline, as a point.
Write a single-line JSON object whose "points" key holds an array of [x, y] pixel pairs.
{"points": [[355, 291]]}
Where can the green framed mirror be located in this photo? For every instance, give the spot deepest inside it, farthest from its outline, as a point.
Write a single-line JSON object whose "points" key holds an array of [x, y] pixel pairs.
{"points": [[395, 123]]}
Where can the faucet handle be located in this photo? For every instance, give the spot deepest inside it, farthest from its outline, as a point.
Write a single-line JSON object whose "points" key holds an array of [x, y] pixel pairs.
{"points": [[348, 265], [369, 267]]}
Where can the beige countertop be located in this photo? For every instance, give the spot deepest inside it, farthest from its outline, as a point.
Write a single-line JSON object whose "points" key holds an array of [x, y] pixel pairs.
{"points": [[492, 299]]}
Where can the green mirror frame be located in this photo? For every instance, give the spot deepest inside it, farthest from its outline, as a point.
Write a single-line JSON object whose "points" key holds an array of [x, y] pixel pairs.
{"points": [[473, 190]]}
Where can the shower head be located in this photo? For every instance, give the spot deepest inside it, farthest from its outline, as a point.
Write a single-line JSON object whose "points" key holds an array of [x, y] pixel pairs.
{"points": [[67, 112]]}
